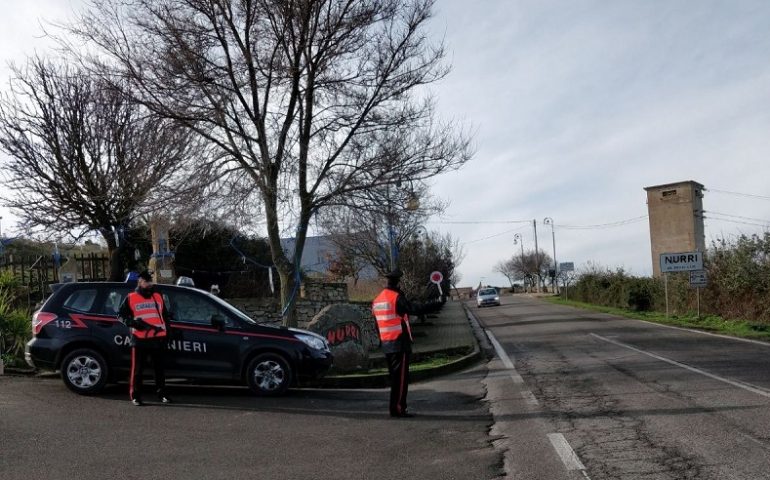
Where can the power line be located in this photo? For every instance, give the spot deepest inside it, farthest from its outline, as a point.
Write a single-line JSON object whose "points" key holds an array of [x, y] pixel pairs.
{"points": [[499, 222], [750, 195], [710, 213], [764, 225], [493, 236], [619, 223]]}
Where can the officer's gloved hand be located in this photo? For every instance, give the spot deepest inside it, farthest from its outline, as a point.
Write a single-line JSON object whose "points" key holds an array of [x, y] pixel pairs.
{"points": [[139, 324]]}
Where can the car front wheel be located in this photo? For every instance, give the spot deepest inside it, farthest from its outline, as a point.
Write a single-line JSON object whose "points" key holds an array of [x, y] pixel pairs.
{"points": [[84, 371], [269, 374]]}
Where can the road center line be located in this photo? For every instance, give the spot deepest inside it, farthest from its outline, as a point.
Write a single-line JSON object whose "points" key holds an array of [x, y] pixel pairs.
{"points": [[735, 383], [567, 455]]}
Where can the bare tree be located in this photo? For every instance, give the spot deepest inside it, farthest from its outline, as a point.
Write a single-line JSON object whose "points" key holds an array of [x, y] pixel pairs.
{"points": [[423, 255], [530, 267], [315, 101], [84, 157], [508, 268], [370, 238], [376, 235]]}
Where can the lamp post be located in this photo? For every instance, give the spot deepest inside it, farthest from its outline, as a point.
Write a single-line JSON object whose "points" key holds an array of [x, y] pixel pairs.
{"points": [[517, 239], [549, 221]]}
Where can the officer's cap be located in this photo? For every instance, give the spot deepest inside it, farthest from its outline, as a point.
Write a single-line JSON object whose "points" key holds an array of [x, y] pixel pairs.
{"points": [[394, 274], [146, 275]]}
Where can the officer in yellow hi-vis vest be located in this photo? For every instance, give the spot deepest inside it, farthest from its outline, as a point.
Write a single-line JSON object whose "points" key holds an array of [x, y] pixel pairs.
{"points": [[391, 309], [144, 312]]}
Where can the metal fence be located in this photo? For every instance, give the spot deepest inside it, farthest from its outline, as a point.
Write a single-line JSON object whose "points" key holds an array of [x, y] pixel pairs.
{"points": [[36, 273]]}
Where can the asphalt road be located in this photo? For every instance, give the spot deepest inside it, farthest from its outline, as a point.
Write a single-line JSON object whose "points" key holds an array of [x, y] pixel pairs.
{"points": [[46, 432], [580, 395]]}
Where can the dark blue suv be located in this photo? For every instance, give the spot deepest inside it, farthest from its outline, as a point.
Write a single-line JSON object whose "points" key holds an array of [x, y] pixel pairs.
{"points": [[77, 332]]}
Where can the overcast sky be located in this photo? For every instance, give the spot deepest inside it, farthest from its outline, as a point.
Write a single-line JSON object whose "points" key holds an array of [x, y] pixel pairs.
{"points": [[576, 106]]}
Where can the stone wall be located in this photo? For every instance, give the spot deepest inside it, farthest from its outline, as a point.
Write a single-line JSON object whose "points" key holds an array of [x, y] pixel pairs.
{"points": [[324, 292], [314, 297]]}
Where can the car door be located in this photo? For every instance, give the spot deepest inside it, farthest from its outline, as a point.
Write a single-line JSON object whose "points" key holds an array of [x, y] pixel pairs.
{"points": [[198, 349], [106, 326]]}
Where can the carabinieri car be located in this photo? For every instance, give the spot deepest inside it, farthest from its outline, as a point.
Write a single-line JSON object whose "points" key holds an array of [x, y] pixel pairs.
{"points": [[77, 332]]}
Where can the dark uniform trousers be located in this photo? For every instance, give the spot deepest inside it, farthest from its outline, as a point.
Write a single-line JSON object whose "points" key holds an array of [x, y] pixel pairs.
{"points": [[398, 369], [139, 352]]}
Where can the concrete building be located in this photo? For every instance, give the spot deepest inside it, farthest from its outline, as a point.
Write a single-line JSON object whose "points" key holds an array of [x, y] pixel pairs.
{"points": [[676, 219]]}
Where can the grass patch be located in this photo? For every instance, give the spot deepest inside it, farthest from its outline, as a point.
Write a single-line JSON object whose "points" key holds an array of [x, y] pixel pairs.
{"points": [[711, 323], [424, 363]]}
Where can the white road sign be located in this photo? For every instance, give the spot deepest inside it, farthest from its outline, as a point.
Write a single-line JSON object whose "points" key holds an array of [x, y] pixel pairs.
{"points": [[698, 278], [681, 262]]}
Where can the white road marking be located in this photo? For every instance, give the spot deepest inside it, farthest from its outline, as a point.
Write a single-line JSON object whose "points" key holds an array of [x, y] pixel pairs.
{"points": [[500, 351], [718, 335], [529, 397], [567, 455], [746, 386], [517, 380]]}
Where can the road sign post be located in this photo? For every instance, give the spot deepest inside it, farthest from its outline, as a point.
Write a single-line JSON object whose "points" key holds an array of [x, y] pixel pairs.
{"points": [[698, 280], [679, 262], [566, 267], [437, 277]]}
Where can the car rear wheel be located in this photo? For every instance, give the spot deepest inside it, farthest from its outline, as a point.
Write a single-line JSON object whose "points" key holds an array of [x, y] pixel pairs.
{"points": [[269, 374], [84, 371]]}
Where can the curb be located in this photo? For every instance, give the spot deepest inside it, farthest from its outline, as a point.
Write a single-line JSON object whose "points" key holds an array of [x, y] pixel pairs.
{"points": [[380, 380], [480, 352]]}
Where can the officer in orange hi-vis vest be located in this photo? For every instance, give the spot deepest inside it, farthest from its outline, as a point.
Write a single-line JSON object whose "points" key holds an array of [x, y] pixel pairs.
{"points": [[391, 310], [145, 313]]}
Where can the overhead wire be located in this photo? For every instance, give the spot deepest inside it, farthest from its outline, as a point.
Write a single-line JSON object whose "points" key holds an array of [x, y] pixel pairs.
{"points": [[479, 222], [710, 214], [495, 235], [619, 223], [739, 194]]}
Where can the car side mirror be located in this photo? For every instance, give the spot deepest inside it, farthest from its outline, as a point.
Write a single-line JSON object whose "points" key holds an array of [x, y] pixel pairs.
{"points": [[218, 322]]}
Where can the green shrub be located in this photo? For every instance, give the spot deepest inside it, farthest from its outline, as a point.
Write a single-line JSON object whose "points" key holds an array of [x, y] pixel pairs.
{"points": [[15, 324], [641, 294], [738, 288]]}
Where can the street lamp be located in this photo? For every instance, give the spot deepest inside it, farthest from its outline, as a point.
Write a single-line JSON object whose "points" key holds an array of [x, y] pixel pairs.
{"points": [[549, 221], [517, 239]]}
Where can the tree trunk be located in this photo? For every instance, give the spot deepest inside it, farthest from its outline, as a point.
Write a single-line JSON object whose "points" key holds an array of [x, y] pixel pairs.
{"points": [[115, 253], [288, 297]]}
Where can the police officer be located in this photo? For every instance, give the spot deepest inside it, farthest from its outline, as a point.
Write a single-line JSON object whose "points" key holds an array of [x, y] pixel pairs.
{"points": [[391, 309], [145, 313]]}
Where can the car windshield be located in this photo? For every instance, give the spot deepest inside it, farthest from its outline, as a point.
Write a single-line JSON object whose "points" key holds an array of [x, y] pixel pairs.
{"points": [[231, 308], [488, 291]]}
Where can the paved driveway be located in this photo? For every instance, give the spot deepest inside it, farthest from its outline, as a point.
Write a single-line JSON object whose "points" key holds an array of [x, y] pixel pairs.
{"points": [[46, 432]]}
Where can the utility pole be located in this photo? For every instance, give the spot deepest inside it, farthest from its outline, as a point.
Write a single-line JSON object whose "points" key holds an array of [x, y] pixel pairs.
{"points": [[537, 255], [549, 221]]}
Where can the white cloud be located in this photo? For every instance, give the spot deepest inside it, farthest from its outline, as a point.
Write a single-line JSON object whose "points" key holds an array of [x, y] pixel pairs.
{"points": [[588, 103]]}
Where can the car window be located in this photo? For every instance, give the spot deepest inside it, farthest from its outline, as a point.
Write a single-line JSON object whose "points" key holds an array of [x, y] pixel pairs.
{"points": [[112, 301], [81, 300], [191, 308], [488, 291]]}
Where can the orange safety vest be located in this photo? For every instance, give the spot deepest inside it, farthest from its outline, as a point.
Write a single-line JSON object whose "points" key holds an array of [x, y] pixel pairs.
{"points": [[388, 321], [148, 309]]}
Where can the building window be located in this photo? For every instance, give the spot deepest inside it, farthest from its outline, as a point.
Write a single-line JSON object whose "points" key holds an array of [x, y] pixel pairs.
{"points": [[669, 193]]}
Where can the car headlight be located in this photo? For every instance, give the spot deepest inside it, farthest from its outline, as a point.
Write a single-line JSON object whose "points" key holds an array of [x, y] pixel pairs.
{"points": [[312, 341]]}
